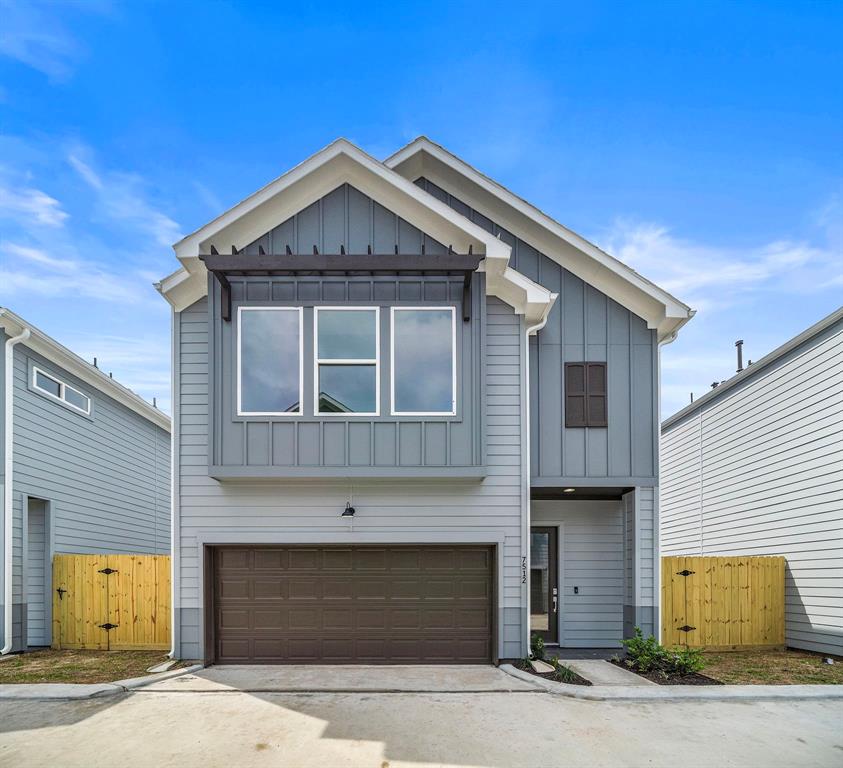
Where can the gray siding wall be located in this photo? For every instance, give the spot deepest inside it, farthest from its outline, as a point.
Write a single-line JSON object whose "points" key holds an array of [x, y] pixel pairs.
{"points": [[591, 557], [759, 471], [608, 550], [641, 561], [319, 446], [584, 325], [308, 511], [106, 478]]}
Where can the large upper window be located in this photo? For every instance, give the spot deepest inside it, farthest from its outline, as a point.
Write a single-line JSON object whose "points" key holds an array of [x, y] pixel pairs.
{"points": [[269, 351], [58, 390], [424, 380], [346, 378]]}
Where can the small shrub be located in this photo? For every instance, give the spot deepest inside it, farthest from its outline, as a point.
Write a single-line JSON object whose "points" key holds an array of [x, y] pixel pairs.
{"points": [[647, 655], [563, 674], [537, 647]]}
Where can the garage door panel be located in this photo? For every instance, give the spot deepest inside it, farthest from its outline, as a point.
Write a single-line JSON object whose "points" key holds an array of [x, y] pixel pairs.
{"points": [[354, 605]]}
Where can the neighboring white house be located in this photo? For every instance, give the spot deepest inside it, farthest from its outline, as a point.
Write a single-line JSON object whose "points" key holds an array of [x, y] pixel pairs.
{"points": [[755, 467]]}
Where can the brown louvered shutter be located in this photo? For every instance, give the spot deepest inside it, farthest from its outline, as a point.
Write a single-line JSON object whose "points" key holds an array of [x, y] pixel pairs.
{"points": [[585, 395], [575, 395], [596, 387]]}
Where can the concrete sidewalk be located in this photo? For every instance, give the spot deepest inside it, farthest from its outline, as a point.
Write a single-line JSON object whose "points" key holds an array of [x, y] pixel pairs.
{"points": [[601, 672], [657, 692], [71, 691]]}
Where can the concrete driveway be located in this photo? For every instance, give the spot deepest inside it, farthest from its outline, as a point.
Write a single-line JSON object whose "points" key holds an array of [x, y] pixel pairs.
{"points": [[227, 725]]}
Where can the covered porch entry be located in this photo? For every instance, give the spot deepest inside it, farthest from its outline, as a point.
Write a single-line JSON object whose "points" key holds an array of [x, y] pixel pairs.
{"points": [[592, 566]]}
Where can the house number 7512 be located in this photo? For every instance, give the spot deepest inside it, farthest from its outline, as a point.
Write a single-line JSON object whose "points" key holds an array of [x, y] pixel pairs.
{"points": [[523, 570]]}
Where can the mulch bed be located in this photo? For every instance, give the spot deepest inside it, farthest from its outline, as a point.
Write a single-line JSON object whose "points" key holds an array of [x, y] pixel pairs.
{"points": [[695, 678], [574, 679]]}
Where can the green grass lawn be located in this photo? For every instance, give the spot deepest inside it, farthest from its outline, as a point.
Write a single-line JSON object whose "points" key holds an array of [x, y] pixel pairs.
{"points": [[49, 666], [789, 667]]}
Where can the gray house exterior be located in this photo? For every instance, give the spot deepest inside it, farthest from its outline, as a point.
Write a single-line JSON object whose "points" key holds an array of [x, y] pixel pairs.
{"points": [[86, 469], [415, 491], [755, 467]]}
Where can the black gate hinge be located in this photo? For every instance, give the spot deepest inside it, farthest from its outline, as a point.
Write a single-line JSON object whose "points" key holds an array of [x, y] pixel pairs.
{"points": [[108, 571], [108, 627], [686, 628], [686, 572]]}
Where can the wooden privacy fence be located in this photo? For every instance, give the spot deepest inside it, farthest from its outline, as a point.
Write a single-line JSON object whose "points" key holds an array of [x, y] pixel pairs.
{"points": [[111, 602], [723, 603]]}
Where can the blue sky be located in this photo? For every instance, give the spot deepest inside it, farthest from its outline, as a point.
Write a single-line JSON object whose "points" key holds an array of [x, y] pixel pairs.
{"points": [[702, 143]]}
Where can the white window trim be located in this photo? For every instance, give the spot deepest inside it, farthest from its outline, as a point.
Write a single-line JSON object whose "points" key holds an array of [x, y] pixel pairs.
{"points": [[300, 411], [376, 361], [392, 411], [62, 389]]}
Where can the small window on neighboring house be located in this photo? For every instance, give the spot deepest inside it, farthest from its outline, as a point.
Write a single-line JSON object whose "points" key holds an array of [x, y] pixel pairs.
{"points": [[269, 364], [57, 389], [585, 395], [347, 377]]}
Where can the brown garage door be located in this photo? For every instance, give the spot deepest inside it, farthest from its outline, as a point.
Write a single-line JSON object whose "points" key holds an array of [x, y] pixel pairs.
{"points": [[367, 604]]}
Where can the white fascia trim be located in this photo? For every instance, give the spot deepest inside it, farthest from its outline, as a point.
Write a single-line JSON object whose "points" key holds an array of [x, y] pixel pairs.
{"points": [[339, 163], [660, 309], [61, 356]]}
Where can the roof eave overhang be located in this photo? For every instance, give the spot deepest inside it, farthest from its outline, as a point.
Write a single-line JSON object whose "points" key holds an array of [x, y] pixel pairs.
{"points": [[661, 311], [343, 163], [61, 356]]}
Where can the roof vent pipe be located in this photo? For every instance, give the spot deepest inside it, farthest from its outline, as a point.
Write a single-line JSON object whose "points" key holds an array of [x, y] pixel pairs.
{"points": [[739, 345]]}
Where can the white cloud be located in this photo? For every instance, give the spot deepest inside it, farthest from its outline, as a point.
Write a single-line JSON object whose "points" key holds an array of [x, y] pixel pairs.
{"points": [[32, 34], [707, 276], [29, 271], [123, 198], [31, 204]]}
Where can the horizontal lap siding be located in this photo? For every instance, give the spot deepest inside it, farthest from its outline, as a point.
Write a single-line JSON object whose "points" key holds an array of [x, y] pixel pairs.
{"points": [[106, 478], [404, 509], [592, 559], [759, 471]]}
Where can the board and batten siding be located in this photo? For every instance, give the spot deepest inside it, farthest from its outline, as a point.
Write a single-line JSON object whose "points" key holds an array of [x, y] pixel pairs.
{"points": [[314, 445], [105, 478], [583, 325], [393, 510], [759, 471]]}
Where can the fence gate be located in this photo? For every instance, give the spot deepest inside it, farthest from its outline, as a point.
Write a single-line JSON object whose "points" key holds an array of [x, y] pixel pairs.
{"points": [[723, 603], [111, 602]]}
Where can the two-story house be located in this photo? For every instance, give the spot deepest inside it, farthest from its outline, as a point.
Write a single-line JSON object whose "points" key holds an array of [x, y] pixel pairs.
{"points": [[85, 469], [416, 420]]}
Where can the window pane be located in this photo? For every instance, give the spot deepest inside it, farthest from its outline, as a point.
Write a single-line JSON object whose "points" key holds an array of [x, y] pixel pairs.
{"points": [[42, 381], [347, 389], [423, 361], [76, 398], [269, 361], [347, 335]]}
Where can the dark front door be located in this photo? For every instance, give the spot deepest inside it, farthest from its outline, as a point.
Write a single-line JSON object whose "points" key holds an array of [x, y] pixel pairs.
{"points": [[361, 604], [544, 585]]}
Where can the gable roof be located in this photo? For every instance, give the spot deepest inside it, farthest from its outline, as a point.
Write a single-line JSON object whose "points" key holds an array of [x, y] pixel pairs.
{"points": [[391, 184], [56, 353], [661, 310], [341, 162], [753, 369]]}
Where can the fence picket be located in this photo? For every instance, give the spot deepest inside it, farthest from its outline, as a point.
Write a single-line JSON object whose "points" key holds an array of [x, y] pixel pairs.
{"points": [[732, 602]]}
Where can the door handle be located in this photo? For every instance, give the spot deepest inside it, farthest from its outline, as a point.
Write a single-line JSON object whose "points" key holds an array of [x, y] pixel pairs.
{"points": [[61, 593], [555, 600]]}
